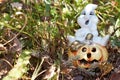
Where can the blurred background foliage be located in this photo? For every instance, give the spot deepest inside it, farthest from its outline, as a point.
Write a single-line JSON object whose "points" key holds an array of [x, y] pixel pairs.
{"points": [[43, 25], [47, 18]]}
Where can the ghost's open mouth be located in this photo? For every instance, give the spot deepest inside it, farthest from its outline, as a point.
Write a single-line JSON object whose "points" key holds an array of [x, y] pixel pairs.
{"points": [[86, 22], [83, 61]]}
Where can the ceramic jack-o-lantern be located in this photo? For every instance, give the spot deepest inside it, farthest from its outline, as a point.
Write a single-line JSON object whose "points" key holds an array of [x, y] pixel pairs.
{"points": [[86, 55], [87, 49]]}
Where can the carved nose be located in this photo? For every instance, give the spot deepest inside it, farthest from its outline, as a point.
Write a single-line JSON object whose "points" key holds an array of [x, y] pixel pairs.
{"points": [[88, 55]]}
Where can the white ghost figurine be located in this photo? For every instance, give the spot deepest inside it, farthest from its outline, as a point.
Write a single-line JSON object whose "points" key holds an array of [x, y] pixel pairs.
{"points": [[88, 19], [101, 40], [88, 22]]}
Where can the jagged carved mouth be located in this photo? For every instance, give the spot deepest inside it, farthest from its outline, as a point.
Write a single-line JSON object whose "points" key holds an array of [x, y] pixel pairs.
{"points": [[86, 22], [83, 61]]}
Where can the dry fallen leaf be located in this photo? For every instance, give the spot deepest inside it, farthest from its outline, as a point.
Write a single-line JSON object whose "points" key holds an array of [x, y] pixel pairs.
{"points": [[2, 47], [2, 1], [78, 77], [115, 76], [105, 68], [50, 73], [13, 44], [53, 71], [66, 71]]}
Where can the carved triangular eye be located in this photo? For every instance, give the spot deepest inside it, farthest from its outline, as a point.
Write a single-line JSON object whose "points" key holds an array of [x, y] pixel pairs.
{"points": [[91, 13]]}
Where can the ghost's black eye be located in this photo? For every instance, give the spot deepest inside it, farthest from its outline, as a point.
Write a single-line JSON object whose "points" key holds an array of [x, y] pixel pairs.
{"points": [[91, 13], [83, 13]]}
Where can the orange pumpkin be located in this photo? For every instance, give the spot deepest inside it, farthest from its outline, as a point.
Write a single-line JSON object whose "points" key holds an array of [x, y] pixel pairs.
{"points": [[86, 55]]}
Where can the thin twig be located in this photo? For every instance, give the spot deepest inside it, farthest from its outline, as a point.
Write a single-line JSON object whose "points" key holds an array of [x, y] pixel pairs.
{"points": [[41, 73], [37, 69], [20, 30], [115, 31], [7, 62]]}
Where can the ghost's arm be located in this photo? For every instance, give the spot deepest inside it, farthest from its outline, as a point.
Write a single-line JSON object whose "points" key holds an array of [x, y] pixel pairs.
{"points": [[101, 40], [71, 38], [105, 39]]}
